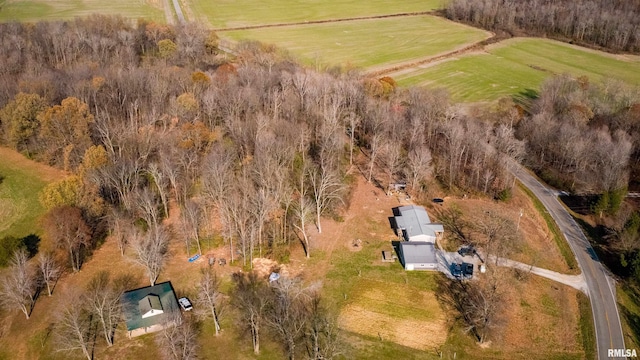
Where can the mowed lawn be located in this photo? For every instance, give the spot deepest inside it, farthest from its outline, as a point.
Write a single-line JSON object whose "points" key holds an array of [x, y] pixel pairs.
{"points": [[33, 10], [22, 182], [367, 43], [237, 13], [517, 66]]}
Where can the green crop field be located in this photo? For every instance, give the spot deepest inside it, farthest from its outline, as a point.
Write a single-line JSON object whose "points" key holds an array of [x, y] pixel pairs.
{"points": [[34, 10], [516, 66], [236, 13], [367, 43]]}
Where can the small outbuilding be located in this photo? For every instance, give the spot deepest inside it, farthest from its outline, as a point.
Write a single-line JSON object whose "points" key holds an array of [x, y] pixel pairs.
{"points": [[149, 309], [414, 224], [417, 255]]}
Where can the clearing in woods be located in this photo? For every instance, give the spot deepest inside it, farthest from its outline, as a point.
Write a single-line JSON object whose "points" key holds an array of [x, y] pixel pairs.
{"points": [[517, 67], [386, 312], [22, 181]]}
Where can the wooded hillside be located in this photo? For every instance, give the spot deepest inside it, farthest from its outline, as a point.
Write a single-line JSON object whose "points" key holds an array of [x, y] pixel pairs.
{"points": [[612, 25]]}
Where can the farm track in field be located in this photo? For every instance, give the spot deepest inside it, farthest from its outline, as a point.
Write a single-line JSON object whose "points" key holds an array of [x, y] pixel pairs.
{"points": [[477, 46], [328, 21]]}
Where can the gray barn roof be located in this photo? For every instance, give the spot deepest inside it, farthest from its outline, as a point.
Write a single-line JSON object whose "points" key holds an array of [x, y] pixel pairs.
{"points": [[418, 252], [414, 221]]}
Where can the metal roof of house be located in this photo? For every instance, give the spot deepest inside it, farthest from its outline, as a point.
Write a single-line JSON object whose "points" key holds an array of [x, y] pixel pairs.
{"points": [[415, 221], [134, 306], [418, 252]]}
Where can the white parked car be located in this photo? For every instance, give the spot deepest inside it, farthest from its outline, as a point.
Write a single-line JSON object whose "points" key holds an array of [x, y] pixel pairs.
{"points": [[185, 304]]}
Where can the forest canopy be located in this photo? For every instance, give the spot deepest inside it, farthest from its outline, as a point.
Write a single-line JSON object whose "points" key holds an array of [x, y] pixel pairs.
{"points": [[612, 25]]}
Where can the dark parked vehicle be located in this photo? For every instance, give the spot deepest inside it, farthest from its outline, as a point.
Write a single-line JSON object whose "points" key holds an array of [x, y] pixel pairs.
{"points": [[466, 250], [456, 270], [467, 270]]}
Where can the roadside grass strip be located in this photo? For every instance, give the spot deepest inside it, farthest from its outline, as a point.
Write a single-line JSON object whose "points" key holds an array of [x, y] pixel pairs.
{"points": [[563, 246]]}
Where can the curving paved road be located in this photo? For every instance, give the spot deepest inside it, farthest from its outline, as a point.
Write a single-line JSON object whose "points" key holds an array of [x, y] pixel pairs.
{"points": [[601, 286]]}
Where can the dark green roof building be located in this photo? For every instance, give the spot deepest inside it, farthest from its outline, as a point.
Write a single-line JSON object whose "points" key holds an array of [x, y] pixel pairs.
{"points": [[149, 309]]}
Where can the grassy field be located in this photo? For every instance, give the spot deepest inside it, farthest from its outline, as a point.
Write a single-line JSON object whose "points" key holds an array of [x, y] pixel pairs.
{"points": [[367, 43], [517, 66], [34, 10], [236, 13], [366, 292], [23, 180]]}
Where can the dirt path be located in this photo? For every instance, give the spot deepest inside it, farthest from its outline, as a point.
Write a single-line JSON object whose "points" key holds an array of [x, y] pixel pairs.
{"points": [[168, 15], [474, 47]]}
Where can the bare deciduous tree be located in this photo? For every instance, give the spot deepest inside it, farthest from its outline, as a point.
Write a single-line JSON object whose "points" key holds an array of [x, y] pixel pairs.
{"points": [[392, 159], [161, 182], [288, 313], [148, 208], [49, 268], [251, 296], [302, 209], [68, 230], [322, 332], [102, 298], [209, 296], [74, 327], [151, 249], [191, 218], [375, 143], [418, 166], [453, 222], [477, 302], [18, 286], [353, 121], [499, 233], [179, 338], [327, 189], [121, 227]]}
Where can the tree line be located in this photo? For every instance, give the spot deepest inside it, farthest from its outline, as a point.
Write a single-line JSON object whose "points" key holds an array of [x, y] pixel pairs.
{"points": [[611, 25], [583, 136]]}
